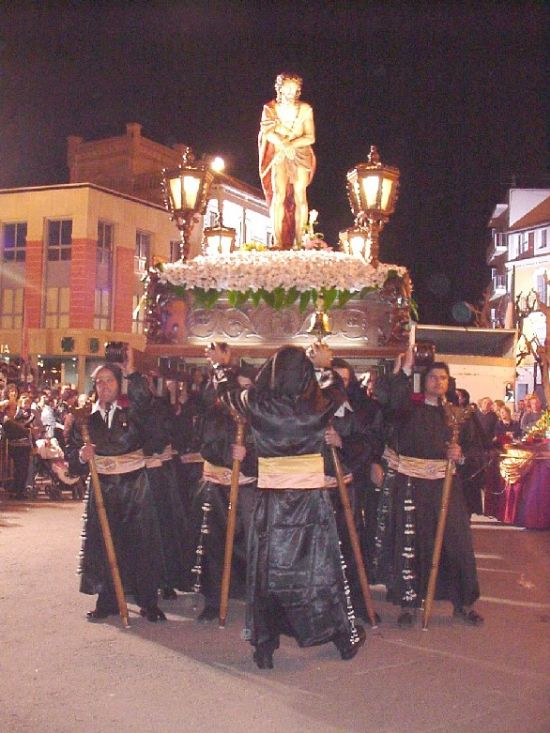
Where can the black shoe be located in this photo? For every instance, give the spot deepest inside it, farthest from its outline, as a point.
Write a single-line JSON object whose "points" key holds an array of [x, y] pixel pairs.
{"points": [[405, 619], [152, 613], [169, 594], [349, 649], [469, 617], [209, 613], [100, 613], [263, 654]]}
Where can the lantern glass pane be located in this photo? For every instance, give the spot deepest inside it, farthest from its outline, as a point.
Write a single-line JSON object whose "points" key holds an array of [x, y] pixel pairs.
{"points": [[212, 244], [367, 253], [387, 187], [357, 244], [370, 191], [175, 192], [226, 240], [191, 184]]}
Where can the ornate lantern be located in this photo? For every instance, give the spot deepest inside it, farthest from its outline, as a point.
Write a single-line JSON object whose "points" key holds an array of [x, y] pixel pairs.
{"points": [[219, 239], [185, 190], [372, 192], [356, 241]]}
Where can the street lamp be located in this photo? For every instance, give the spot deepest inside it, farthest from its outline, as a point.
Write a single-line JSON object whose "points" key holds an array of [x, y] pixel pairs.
{"points": [[185, 191], [372, 192]]}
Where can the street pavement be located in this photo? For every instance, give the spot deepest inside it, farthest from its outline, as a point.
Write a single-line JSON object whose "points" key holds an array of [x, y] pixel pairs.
{"points": [[61, 674]]}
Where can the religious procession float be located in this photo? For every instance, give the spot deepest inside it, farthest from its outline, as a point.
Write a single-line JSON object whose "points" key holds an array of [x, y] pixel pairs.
{"points": [[258, 297]]}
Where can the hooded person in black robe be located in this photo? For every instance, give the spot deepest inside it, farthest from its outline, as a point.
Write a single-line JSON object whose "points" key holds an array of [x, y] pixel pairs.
{"points": [[210, 504], [295, 580], [117, 437]]}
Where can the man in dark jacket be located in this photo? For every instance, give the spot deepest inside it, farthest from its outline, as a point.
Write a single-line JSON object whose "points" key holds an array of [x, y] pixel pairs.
{"points": [[117, 437], [422, 445]]}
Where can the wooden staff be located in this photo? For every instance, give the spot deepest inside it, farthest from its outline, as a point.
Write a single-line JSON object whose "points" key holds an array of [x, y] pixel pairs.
{"points": [[356, 547], [455, 418], [231, 522], [106, 532]]}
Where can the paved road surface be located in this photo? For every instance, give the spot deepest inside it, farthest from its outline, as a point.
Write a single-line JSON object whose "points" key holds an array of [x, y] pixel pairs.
{"points": [[60, 674]]}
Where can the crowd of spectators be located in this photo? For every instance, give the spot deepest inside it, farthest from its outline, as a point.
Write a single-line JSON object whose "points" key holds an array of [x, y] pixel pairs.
{"points": [[32, 413]]}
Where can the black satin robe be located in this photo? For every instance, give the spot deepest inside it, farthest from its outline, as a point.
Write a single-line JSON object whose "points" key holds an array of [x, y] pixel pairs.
{"points": [[174, 522], [420, 430], [360, 430], [129, 504], [295, 579], [216, 439], [186, 431]]}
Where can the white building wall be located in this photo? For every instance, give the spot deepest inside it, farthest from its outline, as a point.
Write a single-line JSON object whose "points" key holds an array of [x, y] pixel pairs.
{"points": [[481, 376]]}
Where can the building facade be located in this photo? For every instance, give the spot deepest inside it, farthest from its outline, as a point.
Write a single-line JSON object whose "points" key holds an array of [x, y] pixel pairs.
{"points": [[73, 256], [519, 255]]}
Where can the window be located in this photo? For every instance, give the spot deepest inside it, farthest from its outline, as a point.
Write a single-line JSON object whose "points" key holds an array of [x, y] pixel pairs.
{"points": [[499, 280], [143, 251], [175, 249], [14, 242], [102, 310], [12, 308], [542, 240], [60, 234], [104, 243], [523, 241], [542, 287], [57, 308], [138, 314]]}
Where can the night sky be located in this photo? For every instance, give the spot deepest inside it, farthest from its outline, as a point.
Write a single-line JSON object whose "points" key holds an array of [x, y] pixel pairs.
{"points": [[455, 94]]}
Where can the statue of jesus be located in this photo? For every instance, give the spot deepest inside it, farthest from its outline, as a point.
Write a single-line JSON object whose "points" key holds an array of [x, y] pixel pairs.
{"points": [[287, 160]]}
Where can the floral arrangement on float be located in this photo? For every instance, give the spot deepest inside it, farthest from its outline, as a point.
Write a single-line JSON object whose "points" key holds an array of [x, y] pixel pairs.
{"points": [[279, 278]]}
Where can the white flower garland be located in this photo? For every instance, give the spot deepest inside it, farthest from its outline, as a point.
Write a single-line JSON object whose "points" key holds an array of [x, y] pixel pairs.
{"points": [[303, 270]]}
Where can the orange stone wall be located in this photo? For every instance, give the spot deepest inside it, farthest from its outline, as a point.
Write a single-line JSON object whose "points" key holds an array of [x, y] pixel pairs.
{"points": [[34, 275], [82, 283]]}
